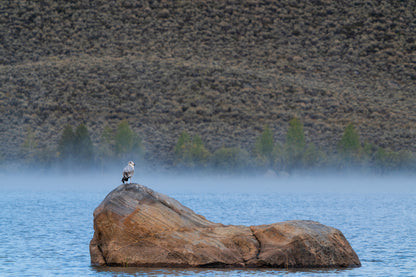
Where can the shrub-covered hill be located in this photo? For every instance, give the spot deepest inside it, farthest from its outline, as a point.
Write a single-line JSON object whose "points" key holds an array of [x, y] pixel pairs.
{"points": [[220, 69]]}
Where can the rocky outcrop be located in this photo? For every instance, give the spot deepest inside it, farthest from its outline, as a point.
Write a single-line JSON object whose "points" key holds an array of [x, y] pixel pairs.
{"points": [[136, 226]]}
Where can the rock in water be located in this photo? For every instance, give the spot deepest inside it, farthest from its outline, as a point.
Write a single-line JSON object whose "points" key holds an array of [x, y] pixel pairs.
{"points": [[136, 226]]}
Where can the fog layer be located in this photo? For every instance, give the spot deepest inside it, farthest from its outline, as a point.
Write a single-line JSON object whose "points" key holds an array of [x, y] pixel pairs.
{"points": [[169, 183]]}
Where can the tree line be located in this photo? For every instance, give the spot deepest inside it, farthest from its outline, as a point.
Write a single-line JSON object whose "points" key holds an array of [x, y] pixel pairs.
{"points": [[75, 149], [295, 154]]}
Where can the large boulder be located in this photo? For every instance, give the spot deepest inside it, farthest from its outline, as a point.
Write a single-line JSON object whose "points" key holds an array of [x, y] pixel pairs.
{"points": [[136, 226]]}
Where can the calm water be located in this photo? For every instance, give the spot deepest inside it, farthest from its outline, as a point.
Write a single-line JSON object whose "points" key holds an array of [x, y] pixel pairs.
{"points": [[46, 232]]}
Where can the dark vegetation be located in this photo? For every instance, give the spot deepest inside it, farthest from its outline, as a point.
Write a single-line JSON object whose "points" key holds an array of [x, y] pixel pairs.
{"points": [[227, 75], [75, 150]]}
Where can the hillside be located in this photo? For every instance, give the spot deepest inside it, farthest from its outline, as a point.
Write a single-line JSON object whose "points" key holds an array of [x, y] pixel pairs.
{"points": [[220, 69]]}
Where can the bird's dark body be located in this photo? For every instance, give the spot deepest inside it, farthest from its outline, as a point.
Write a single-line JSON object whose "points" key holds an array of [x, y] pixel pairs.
{"points": [[125, 178], [128, 172]]}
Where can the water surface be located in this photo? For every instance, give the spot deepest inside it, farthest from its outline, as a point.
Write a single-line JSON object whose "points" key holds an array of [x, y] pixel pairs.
{"points": [[46, 232]]}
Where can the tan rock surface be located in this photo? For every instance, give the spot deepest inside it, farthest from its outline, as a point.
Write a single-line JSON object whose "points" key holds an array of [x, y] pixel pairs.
{"points": [[136, 226]]}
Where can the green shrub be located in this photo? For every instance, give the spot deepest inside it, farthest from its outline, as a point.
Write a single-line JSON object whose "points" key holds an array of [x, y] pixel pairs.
{"points": [[75, 146], [181, 147], [199, 154], [83, 151], [263, 150], [29, 147], [127, 143], [106, 151], [295, 144], [278, 156], [66, 144], [367, 154], [349, 147], [313, 157], [108, 136], [385, 160], [190, 153], [230, 159], [46, 156]]}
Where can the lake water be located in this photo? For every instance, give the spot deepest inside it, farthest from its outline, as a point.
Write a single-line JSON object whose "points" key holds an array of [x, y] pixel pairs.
{"points": [[45, 231]]}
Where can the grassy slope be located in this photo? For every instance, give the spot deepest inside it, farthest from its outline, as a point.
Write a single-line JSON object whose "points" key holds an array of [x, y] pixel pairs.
{"points": [[222, 70]]}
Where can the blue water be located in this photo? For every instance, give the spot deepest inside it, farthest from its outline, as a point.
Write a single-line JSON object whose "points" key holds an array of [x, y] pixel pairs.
{"points": [[46, 232]]}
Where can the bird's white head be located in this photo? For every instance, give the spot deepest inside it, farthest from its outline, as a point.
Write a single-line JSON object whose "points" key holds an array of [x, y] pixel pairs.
{"points": [[132, 163]]}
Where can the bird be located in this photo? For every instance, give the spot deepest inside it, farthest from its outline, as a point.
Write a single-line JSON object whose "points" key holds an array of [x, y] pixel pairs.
{"points": [[128, 172]]}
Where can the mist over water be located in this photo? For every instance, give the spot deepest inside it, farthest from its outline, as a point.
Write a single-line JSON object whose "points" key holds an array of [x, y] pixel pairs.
{"points": [[46, 218], [173, 182]]}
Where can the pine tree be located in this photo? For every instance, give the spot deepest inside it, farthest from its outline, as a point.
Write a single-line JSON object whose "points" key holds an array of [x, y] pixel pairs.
{"points": [[66, 144], [127, 143], [107, 137], [264, 147], [295, 144], [106, 146], [29, 147], [83, 152], [349, 146], [181, 147], [124, 138]]}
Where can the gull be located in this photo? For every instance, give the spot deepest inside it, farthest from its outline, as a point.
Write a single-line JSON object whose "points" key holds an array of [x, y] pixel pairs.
{"points": [[128, 172]]}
